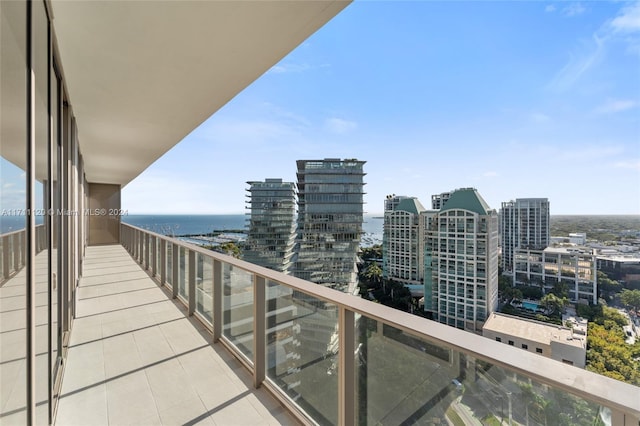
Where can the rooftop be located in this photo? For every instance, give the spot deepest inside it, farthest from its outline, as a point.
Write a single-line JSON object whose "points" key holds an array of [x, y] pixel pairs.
{"points": [[534, 331], [467, 199], [411, 205]]}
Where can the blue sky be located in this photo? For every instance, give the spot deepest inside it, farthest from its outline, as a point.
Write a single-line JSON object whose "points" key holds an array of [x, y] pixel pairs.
{"points": [[517, 99]]}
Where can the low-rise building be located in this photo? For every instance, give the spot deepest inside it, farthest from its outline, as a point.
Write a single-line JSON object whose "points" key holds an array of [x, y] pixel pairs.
{"points": [[620, 266], [578, 238], [574, 267], [564, 344]]}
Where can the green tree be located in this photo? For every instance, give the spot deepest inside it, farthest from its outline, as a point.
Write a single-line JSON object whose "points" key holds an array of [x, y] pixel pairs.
{"points": [[371, 253], [530, 292], [554, 304], [373, 273], [630, 299], [561, 289], [607, 352], [230, 248], [608, 287]]}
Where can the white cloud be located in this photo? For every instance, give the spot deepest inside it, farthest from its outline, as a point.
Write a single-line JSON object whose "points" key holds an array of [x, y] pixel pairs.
{"points": [[550, 8], [579, 63], [634, 165], [616, 105], [628, 20], [285, 68], [573, 9], [339, 125], [295, 68], [624, 28], [490, 174]]}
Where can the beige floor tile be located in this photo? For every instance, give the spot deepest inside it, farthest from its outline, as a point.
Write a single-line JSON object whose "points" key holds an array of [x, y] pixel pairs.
{"points": [[135, 358]]}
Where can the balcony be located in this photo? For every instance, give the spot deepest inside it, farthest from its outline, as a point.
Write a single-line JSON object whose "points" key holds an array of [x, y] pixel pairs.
{"points": [[232, 342], [136, 358]]}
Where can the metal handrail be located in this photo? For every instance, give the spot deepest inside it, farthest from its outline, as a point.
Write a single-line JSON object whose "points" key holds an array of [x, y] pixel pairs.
{"points": [[623, 399]]}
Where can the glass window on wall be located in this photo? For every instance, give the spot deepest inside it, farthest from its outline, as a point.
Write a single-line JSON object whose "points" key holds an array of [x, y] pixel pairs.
{"points": [[13, 137], [40, 66], [53, 224]]}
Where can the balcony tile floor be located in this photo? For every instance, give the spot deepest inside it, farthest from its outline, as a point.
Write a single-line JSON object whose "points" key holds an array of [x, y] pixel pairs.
{"points": [[135, 358]]}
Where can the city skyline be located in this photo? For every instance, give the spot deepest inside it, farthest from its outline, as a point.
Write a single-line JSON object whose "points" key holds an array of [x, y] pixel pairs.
{"points": [[515, 99]]}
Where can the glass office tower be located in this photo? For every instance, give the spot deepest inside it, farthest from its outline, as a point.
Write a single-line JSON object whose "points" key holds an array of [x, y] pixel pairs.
{"points": [[330, 216]]}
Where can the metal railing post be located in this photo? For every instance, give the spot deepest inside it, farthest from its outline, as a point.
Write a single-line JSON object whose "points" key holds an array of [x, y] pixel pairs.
{"points": [[623, 419], [21, 252], [259, 330], [134, 241], [163, 262], [175, 253], [140, 247], [6, 264], [217, 300], [154, 256], [191, 283], [346, 367], [146, 250]]}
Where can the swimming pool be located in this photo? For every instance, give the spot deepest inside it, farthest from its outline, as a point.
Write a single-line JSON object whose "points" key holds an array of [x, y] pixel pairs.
{"points": [[530, 305]]}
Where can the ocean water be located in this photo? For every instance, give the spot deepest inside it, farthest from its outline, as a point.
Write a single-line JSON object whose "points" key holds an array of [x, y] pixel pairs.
{"points": [[178, 225], [186, 224], [10, 222]]}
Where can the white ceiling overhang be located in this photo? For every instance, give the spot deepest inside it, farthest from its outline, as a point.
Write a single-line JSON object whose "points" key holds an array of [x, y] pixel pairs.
{"points": [[141, 75]]}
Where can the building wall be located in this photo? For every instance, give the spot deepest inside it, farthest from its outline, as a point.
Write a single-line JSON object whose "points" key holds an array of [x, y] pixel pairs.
{"points": [[569, 354], [271, 232], [462, 247], [524, 223], [532, 346], [403, 247], [103, 213], [330, 216], [438, 200], [576, 268]]}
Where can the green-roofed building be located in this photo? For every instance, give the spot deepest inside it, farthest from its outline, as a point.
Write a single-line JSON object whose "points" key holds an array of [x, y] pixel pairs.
{"points": [[461, 261], [403, 242]]}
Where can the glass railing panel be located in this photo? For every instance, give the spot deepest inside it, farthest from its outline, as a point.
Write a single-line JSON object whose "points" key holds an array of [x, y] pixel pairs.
{"points": [[402, 379], [204, 286], [237, 308], [183, 272], [169, 272], [302, 350]]}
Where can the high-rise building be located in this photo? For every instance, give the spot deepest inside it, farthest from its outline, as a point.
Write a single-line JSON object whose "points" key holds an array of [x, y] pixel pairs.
{"points": [[271, 233], [403, 240], [392, 201], [330, 216], [524, 223], [438, 200], [462, 253]]}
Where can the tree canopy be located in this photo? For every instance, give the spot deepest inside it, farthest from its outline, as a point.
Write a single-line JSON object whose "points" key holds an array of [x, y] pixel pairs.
{"points": [[631, 299]]}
